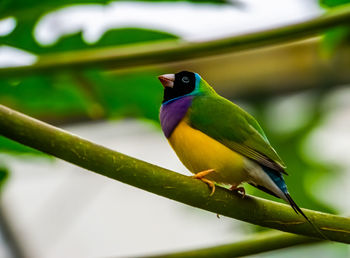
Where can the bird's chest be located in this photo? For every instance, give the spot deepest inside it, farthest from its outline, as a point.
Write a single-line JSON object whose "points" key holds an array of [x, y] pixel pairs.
{"points": [[199, 152]]}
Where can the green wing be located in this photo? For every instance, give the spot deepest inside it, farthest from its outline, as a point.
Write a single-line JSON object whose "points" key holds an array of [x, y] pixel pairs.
{"points": [[232, 126]]}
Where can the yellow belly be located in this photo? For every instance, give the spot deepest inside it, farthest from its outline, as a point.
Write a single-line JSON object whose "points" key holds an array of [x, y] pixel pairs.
{"points": [[199, 152]]}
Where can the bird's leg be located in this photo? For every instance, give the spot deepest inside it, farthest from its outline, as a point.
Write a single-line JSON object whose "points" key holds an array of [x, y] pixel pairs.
{"points": [[201, 175], [239, 190]]}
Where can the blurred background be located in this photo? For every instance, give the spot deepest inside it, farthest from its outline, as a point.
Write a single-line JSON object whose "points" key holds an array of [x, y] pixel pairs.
{"points": [[297, 90]]}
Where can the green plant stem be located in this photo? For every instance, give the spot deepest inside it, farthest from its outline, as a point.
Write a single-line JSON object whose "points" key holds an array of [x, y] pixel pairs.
{"points": [[171, 51], [254, 244], [73, 149]]}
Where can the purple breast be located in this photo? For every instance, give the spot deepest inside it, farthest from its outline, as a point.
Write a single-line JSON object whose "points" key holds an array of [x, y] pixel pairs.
{"points": [[172, 113]]}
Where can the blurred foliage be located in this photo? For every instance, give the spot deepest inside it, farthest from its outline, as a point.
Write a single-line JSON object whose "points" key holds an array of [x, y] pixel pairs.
{"points": [[299, 167], [12, 147], [139, 95], [333, 3], [22, 38], [69, 97], [13, 7], [4, 174], [79, 95], [334, 37]]}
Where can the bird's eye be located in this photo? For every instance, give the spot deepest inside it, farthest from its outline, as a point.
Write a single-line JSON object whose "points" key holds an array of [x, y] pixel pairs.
{"points": [[185, 79]]}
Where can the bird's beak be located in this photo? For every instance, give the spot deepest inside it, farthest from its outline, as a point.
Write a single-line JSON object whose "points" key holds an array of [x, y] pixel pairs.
{"points": [[167, 80]]}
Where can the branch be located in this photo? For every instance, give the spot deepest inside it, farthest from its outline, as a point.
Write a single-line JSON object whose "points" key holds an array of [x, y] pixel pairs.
{"points": [[256, 243], [172, 185], [171, 51]]}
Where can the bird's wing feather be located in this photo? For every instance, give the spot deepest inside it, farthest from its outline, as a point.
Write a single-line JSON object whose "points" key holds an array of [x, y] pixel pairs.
{"points": [[235, 128]]}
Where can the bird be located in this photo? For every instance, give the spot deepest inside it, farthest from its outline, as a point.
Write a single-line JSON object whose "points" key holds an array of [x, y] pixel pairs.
{"points": [[217, 140]]}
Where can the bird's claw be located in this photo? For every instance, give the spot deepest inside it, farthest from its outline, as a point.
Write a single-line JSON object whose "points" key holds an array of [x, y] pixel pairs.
{"points": [[240, 190], [210, 184], [201, 176]]}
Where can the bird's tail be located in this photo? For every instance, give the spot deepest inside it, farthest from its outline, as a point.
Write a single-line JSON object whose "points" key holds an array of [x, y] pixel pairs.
{"points": [[299, 211], [277, 178]]}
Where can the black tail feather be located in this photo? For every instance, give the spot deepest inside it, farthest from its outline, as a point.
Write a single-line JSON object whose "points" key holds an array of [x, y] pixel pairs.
{"points": [[299, 211], [296, 207], [264, 189]]}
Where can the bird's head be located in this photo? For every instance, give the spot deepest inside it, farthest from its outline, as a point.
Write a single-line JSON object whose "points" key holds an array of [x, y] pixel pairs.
{"points": [[182, 84]]}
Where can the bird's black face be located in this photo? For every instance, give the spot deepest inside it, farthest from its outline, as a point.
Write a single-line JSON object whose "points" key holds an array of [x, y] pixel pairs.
{"points": [[177, 85]]}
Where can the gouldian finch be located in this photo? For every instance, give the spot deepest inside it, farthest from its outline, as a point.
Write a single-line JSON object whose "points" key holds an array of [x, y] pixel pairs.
{"points": [[217, 140]]}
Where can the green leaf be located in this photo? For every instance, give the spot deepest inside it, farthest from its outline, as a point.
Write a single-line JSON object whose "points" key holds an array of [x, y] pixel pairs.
{"points": [[333, 39], [22, 38], [9, 146], [131, 35], [25, 7], [332, 3], [336, 36], [4, 174], [131, 95], [12, 6], [44, 96]]}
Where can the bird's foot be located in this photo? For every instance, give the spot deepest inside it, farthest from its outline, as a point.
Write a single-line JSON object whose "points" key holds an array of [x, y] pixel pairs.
{"points": [[239, 190], [201, 175]]}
